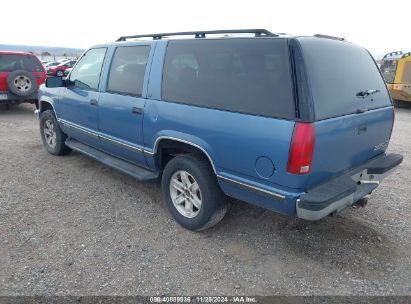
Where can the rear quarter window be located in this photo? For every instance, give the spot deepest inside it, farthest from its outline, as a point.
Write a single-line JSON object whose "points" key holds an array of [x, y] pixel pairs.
{"points": [[337, 72], [241, 75]]}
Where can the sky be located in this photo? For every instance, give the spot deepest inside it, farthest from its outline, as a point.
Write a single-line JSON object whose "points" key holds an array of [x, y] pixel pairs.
{"points": [[380, 26]]}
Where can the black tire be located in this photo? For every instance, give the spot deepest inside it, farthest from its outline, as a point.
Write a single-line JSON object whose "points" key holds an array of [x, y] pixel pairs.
{"points": [[5, 106], [213, 206], [402, 104], [17, 78], [59, 147], [59, 73]]}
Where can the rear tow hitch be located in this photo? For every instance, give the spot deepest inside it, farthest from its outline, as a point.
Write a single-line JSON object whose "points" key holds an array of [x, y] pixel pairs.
{"points": [[362, 202]]}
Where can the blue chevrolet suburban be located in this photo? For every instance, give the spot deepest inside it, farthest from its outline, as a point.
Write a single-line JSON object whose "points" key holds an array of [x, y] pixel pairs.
{"points": [[298, 125]]}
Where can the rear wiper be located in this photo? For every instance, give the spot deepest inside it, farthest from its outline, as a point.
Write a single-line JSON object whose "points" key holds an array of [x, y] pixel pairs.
{"points": [[366, 93]]}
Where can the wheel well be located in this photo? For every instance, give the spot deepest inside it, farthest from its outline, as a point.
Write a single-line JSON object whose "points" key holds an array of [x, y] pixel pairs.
{"points": [[168, 148], [44, 106]]}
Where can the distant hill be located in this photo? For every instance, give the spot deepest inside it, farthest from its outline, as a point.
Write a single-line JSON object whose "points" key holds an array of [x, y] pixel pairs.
{"points": [[40, 49]]}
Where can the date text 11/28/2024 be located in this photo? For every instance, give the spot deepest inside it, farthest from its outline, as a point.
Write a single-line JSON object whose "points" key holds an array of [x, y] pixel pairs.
{"points": [[203, 299]]}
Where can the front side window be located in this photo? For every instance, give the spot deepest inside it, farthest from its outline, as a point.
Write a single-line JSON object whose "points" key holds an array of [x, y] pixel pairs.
{"points": [[250, 76], [127, 70], [388, 69], [86, 74]]}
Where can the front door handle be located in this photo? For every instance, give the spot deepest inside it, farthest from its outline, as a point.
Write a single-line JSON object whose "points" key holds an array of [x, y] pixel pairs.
{"points": [[137, 111], [93, 102]]}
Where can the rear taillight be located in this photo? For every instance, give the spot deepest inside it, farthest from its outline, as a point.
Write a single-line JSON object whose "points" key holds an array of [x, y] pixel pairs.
{"points": [[301, 149]]}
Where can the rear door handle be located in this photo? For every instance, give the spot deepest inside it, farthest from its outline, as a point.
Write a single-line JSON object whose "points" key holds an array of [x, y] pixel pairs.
{"points": [[362, 129], [137, 111], [93, 102]]}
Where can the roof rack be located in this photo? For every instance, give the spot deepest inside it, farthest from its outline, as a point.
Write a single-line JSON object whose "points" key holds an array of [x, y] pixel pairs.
{"points": [[202, 34], [406, 55], [329, 37], [392, 54]]}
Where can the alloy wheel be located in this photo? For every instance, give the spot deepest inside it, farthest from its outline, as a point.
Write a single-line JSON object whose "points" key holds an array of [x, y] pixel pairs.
{"points": [[50, 134], [185, 194]]}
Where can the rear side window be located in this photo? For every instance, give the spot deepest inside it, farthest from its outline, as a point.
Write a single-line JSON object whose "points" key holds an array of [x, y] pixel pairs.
{"points": [[406, 77], [337, 72], [241, 75], [10, 63], [127, 70]]}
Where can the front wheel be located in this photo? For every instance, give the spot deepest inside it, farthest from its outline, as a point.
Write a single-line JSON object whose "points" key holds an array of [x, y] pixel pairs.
{"points": [[192, 194], [60, 73], [51, 135]]}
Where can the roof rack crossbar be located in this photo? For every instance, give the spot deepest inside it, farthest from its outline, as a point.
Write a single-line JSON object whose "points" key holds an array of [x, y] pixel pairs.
{"points": [[392, 54], [406, 55], [329, 37], [202, 34]]}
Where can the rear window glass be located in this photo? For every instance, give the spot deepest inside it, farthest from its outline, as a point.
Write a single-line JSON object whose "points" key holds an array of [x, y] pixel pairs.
{"points": [[240, 75], [10, 63], [337, 72]]}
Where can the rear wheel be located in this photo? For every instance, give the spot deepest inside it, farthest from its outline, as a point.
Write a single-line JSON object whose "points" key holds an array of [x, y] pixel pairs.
{"points": [[60, 73], [52, 136], [192, 193]]}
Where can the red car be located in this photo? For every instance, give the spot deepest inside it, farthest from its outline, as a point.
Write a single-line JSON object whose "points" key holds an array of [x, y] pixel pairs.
{"points": [[58, 70], [20, 76]]}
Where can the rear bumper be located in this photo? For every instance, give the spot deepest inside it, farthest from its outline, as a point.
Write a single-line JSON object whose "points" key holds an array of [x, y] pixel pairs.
{"points": [[343, 191], [12, 98], [400, 92]]}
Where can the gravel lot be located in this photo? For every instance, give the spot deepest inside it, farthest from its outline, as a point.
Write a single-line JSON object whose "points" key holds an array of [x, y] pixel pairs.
{"points": [[70, 226]]}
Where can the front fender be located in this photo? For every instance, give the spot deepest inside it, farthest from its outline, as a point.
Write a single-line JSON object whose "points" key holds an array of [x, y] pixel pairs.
{"points": [[48, 96]]}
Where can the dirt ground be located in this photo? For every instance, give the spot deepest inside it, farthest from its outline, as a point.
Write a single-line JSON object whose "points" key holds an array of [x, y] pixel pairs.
{"points": [[71, 226]]}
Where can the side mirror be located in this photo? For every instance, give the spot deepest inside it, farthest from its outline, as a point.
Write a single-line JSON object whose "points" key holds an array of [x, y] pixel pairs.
{"points": [[54, 82]]}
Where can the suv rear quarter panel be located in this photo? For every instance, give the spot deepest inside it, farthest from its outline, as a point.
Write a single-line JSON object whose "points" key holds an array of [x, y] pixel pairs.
{"points": [[233, 141]]}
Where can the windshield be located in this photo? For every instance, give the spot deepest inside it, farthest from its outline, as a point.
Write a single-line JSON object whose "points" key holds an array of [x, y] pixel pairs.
{"points": [[344, 78], [50, 64], [10, 63], [388, 70]]}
